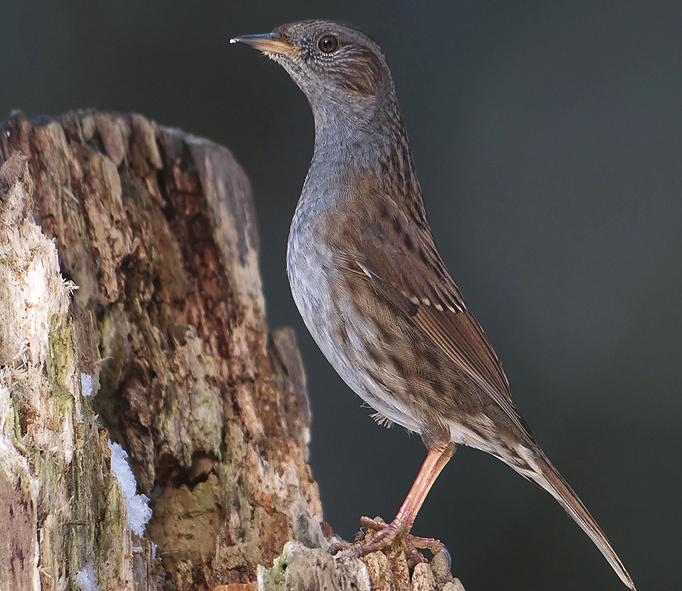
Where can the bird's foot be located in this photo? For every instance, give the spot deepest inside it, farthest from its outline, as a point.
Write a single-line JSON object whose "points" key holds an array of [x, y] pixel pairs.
{"points": [[377, 535]]}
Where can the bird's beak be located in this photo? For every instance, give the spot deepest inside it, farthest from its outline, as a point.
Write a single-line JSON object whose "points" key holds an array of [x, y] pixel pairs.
{"points": [[268, 43]]}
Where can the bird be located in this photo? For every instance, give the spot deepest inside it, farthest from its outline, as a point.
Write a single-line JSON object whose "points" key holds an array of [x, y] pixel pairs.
{"points": [[373, 290]]}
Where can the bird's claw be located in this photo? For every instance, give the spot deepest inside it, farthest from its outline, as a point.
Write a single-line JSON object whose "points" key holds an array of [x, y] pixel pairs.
{"points": [[377, 535]]}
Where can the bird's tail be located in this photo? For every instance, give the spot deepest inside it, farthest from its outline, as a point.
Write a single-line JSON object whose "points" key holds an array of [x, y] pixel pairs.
{"points": [[547, 476]]}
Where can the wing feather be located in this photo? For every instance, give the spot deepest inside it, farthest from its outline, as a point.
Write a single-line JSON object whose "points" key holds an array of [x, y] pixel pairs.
{"points": [[410, 275]]}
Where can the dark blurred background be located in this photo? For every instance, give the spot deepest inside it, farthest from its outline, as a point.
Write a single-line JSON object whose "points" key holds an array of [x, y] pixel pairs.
{"points": [[548, 139]]}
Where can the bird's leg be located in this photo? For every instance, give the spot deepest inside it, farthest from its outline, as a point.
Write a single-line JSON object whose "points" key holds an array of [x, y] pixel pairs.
{"points": [[399, 528]]}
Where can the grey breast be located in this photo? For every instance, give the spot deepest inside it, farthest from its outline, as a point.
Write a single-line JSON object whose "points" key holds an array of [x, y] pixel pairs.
{"points": [[312, 276]]}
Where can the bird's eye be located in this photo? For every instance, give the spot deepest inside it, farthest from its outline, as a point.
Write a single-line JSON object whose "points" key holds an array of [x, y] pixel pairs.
{"points": [[328, 44]]}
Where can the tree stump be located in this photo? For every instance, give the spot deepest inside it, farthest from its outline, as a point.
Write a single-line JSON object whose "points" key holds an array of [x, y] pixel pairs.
{"points": [[132, 315]]}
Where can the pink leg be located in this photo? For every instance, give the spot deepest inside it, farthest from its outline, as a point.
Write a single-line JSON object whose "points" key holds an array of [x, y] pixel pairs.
{"points": [[401, 525]]}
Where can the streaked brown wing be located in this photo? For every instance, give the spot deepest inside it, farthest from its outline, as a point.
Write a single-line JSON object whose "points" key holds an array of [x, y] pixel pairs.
{"points": [[402, 264]]}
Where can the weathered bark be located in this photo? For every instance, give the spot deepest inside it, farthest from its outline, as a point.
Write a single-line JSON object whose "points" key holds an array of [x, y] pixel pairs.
{"points": [[128, 260]]}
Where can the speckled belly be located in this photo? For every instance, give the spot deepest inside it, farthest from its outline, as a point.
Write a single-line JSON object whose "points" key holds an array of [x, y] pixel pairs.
{"points": [[313, 279]]}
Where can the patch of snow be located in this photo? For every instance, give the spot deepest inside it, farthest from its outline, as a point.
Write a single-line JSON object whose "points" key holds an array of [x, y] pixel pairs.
{"points": [[86, 579], [86, 384], [139, 512]]}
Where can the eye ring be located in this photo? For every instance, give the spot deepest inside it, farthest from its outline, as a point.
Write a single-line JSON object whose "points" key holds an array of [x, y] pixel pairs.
{"points": [[328, 43]]}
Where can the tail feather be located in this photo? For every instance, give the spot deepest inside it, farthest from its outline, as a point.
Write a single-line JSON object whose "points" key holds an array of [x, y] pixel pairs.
{"points": [[548, 477]]}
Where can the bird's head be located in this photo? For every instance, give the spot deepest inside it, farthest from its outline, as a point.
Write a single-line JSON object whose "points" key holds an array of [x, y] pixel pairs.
{"points": [[338, 67]]}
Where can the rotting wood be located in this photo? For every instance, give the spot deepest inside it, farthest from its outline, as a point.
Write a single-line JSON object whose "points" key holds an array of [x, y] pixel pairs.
{"points": [[129, 261]]}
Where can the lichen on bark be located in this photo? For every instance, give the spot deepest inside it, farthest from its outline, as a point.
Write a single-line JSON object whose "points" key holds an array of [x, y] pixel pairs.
{"points": [[55, 489]]}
